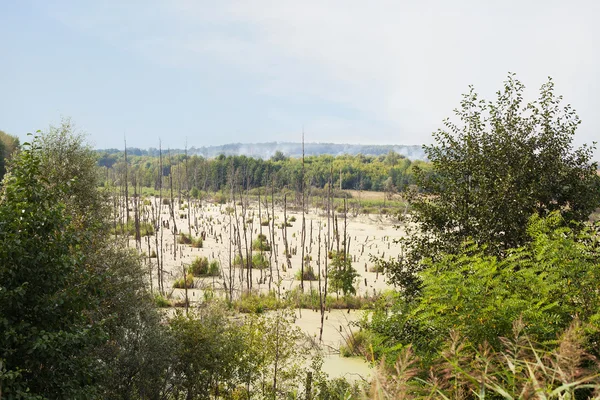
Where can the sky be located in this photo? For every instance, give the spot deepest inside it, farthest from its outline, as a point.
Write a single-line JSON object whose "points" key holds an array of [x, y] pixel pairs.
{"points": [[225, 71]]}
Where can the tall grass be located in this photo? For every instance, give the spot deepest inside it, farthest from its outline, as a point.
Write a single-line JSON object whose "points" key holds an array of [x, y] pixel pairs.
{"points": [[522, 369]]}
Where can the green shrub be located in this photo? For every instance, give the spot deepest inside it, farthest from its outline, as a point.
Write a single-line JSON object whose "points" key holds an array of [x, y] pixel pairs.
{"points": [[161, 301], [184, 239], [146, 229], [261, 243], [377, 268], [264, 222], [189, 282], [214, 268], [309, 274], [356, 344], [189, 239], [257, 303], [260, 261], [292, 219], [199, 266]]}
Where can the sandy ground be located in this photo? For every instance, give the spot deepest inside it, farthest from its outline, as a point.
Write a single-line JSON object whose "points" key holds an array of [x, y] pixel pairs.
{"points": [[369, 235]]}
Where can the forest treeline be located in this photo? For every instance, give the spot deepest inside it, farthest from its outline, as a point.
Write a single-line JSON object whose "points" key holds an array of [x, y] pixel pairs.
{"points": [[389, 172]]}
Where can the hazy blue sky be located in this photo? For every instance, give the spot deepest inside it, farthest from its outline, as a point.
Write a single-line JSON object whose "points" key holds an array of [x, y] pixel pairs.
{"points": [[219, 71]]}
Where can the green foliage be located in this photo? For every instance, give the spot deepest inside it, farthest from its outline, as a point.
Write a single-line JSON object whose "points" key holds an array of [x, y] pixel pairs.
{"points": [[208, 355], [46, 340], [202, 267], [196, 243], [341, 274], [258, 261], [261, 243], [505, 161], [68, 159], [272, 364], [188, 282], [161, 301], [356, 344], [258, 302], [545, 283], [308, 275], [520, 369], [146, 229]]}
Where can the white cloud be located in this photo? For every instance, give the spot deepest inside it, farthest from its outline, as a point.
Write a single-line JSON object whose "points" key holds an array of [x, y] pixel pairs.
{"points": [[401, 64]]}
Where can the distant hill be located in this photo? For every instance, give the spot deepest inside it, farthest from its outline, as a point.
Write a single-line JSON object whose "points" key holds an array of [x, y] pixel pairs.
{"points": [[290, 149]]}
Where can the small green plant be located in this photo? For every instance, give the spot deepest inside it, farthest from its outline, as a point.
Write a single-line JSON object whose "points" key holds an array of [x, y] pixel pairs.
{"points": [[377, 268], [258, 303], [214, 268], [292, 219], [264, 222], [261, 243], [259, 261], [161, 301], [309, 274], [202, 267], [146, 229], [181, 284], [356, 344], [189, 239]]}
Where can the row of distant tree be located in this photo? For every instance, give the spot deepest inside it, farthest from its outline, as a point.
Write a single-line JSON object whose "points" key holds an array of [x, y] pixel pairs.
{"points": [[388, 172]]}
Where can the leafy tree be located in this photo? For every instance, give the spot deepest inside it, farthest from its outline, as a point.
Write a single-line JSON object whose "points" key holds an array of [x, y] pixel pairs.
{"points": [[67, 158], [46, 333], [76, 319], [503, 162], [341, 274]]}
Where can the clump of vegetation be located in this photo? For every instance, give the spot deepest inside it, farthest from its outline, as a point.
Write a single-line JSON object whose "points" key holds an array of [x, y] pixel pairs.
{"points": [[184, 238], [341, 274], [261, 243], [202, 267], [220, 198], [258, 302], [309, 274], [292, 219], [258, 261], [264, 222], [377, 267], [357, 344], [189, 282], [161, 301], [153, 254], [166, 201], [146, 229], [520, 368]]}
